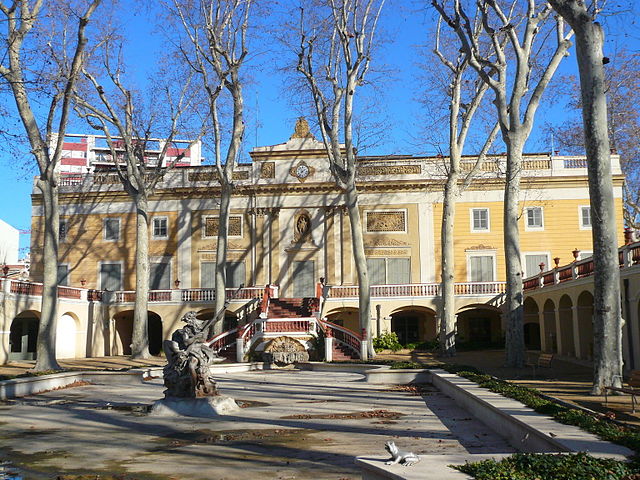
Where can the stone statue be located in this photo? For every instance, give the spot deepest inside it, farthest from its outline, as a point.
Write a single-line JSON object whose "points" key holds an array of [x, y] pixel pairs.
{"points": [[400, 456], [188, 360]]}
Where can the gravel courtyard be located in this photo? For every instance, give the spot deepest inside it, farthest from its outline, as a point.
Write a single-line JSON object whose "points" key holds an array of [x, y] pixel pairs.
{"points": [[293, 425]]}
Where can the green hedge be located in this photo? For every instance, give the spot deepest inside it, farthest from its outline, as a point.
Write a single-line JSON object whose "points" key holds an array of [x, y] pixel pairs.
{"points": [[541, 466]]}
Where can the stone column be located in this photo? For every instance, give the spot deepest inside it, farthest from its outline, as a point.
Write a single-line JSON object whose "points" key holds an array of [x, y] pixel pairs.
{"points": [[274, 246], [543, 332], [556, 316], [576, 331]]}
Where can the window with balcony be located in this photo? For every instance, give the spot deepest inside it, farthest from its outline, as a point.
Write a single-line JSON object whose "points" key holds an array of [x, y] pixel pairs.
{"points": [[481, 267], [389, 271], [112, 229], [160, 228], [160, 275], [111, 276], [532, 263], [63, 275], [480, 220], [235, 273], [534, 218]]}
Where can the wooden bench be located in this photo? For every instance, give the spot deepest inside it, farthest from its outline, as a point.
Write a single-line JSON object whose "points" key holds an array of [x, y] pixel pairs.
{"points": [[632, 388], [543, 361]]}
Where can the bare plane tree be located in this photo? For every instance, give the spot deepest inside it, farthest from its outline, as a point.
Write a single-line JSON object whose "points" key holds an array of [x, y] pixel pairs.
{"points": [[517, 98], [333, 72], [460, 120], [607, 321], [216, 50], [127, 126], [38, 77]]}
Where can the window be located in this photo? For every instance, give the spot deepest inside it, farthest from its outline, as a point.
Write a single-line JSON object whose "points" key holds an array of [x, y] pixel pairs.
{"points": [[479, 219], [160, 275], [210, 226], [112, 229], [585, 217], [63, 229], [63, 275], [111, 276], [481, 267], [389, 271], [207, 275], [160, 227], [532, 263], [235, 274], [534, 219]]}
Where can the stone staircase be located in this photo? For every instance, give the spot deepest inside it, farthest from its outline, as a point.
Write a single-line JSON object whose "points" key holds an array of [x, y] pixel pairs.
{"points": [[289, 308], [343, 353]]}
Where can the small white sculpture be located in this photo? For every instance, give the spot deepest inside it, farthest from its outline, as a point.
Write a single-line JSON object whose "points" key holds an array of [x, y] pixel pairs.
{"points": [[400, 456]]}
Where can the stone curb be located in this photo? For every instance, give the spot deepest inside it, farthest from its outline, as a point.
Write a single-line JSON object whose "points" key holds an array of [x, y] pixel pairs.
{"points": [[21, 387]]}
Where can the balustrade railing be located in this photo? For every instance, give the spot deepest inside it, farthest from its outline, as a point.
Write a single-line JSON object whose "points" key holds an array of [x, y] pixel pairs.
{"points": [[419, 290], [223, 340], [342, 335], [628, 255]]}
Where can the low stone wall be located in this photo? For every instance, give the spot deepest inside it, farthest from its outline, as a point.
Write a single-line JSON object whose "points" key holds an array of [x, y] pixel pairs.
{"points": [[21, 387]]}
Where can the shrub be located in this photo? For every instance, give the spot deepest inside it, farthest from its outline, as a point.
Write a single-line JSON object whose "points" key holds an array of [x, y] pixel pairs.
{"points": [[409, 365], [539, 466], [387, 341]]}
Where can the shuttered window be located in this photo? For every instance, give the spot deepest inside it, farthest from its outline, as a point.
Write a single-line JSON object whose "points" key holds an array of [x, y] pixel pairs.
{"points": [[111, 276], [235, 274], [389, 271], [532, 264], [207, 275], [160, 276], [481, 268]]}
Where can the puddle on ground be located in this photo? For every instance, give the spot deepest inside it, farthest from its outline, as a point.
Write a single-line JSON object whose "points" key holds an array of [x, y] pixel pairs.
{"points": [[386, 414], [275, 436]]}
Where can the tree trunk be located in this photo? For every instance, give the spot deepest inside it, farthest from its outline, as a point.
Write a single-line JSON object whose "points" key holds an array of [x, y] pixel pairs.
{"points": [[514, 342], [221, 254], [140, 333], [447, 308], [364, 291], [46, 344], [607, 324]]}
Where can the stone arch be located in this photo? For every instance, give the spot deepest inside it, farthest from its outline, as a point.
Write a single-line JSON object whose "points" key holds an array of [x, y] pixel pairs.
{"points": [[479, 326], [122, 335], [532, 327], [229, 321], [414, 324], [565, 316], [585, 324], [346, 317], [67, 331], [549, 326], [23, 335]]}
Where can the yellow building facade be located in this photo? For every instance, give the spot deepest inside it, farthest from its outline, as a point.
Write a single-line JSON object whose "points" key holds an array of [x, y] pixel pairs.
{"points": [[288, 228]]}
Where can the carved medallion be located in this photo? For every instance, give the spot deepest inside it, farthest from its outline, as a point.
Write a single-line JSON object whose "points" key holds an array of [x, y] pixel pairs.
{"points": [[302, 227], [284, 351]]}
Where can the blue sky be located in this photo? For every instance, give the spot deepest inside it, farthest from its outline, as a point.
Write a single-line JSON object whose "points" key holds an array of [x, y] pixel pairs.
{"points": [[405, 27]]}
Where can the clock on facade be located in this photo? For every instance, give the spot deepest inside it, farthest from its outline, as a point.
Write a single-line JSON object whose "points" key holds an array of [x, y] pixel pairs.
{"points": [[302, 171]]}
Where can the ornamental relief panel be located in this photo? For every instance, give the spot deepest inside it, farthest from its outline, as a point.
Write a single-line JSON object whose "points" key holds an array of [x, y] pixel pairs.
{"points": [[386, 221], [211, 226], [268, 170], [377, 170], [386, 253], [385, 242], [213, 176]]}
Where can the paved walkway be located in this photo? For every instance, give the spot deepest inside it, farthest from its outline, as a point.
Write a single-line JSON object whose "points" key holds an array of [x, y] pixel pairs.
{"points": [[568, 381], [295, 425]]}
